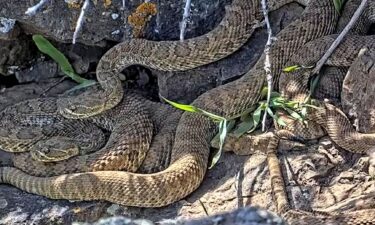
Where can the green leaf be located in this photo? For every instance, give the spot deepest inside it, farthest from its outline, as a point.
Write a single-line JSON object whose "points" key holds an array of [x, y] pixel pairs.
{"points": [[292, 104], [294, 114], [291, 68], [314, 84], [263, 105], [188, 108], [264, 92], [303, 112], [256, 117], [280, 121], [279, 99], [212, 116], [338, 5], [269, 111], [47, 48], [230, 126], [276, 104], [223, 125], [311, 106], [223, 133], [85, 84], [243, 127], [275, 94], [245, 117]]}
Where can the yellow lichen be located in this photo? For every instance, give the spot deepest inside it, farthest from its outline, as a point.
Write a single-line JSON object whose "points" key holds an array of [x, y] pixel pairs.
{"points": [[147, 8], [107, 3], [77, 210], [140, 17], [74, 4]]}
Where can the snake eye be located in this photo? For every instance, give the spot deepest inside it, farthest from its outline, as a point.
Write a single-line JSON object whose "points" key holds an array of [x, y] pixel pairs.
{"points": [[73, 108], [45, 150]]}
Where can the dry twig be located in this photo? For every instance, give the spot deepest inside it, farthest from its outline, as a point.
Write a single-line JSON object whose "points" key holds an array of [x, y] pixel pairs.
{"points": [[80, 20], [34, 9], [339, 38], [184, 19], [267, 63]]}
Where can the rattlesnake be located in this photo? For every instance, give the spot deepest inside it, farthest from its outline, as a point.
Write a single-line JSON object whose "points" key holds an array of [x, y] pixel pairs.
{"points": [[126, 149], [194, 132], [29, 126]]}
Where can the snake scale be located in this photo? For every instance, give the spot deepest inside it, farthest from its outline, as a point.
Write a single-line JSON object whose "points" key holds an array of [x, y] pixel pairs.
{"points": [[190, 151]]}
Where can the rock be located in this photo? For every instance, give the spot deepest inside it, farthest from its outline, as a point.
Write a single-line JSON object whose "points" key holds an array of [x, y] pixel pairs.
{"points": [[243, 216], [39, 71], [358, 92], [57, 19], [118, 220], [82, 57], [15, 54], [17, 207]]}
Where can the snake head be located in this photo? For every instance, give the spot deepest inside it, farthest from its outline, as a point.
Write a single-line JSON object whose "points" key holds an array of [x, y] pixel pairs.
{"points": [[54, 150], [80, 107]]}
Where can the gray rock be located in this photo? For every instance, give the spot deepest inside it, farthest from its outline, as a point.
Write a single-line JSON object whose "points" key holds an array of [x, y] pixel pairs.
{"points": [[243, 216], [19, 208], [39, 71], [57, 20], [15, 54]]}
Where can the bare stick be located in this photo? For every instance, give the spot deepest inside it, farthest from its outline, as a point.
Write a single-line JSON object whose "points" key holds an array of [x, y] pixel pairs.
{"points": [[43, 94], [267, 63], [34, 9], [339, 38], [184, 19], [80, 20]]}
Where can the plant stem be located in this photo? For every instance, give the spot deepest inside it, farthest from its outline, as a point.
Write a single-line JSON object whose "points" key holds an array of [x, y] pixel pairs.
{"points": [[267, 63]]}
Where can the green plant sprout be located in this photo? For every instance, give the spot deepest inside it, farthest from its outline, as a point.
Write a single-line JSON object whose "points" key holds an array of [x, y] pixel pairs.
{"points": [[338, 5], [47, 48], [250, 119]]}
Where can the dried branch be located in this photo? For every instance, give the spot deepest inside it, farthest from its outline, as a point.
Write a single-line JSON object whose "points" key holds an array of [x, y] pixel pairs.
{"points": [[80, 20], [267, 62], [339, 38], [184, 19], [34, 9]]}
